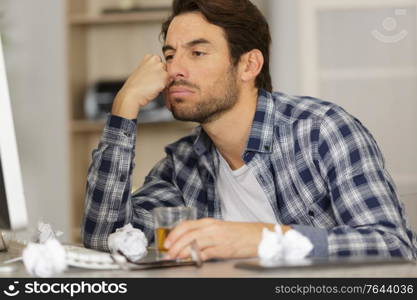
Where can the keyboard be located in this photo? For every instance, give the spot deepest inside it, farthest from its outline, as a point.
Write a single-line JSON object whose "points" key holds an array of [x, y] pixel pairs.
{"points": [[81, 257]]}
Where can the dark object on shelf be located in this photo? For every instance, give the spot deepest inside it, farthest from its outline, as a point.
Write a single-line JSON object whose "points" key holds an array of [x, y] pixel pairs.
{"points": [[99, 100]]}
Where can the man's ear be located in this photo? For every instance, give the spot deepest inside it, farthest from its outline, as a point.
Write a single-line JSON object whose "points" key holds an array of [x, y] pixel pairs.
{"points": [[250, 65]]}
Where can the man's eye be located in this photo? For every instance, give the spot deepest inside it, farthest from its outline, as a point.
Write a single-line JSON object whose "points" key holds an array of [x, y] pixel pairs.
{"points": [[169, 57], [198, 53]]}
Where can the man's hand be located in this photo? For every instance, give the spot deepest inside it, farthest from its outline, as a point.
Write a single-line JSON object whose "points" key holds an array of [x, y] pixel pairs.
{"points": [[142, 86], [216, 238]]}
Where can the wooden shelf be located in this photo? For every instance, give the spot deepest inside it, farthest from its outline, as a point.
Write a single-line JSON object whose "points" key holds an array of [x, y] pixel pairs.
{"points": [[119, 18], [109, 45], [87, 126], [83, 126]]}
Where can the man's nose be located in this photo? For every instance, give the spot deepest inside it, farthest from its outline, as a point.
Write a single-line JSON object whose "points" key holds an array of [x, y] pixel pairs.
{"points": [[176, 68]]}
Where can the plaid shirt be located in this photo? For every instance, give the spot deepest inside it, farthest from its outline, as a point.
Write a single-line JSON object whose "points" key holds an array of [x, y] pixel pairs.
{"points": [[320, 168]]}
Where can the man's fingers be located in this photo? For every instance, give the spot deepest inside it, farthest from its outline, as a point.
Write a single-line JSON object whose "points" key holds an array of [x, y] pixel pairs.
{"points": [[152, 57], [209, 253], [180, 244], [147, 56], [156, 58], [179, 230], [185, 233], [185, 253], [164, 66], [182, 228], [181, 249]]}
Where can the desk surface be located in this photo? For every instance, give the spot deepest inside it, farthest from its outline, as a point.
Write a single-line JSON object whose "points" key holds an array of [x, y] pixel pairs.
{"points": [[227, 269]]}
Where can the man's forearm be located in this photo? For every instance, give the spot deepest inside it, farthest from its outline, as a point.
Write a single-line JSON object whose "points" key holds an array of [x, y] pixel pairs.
{"points": [[108, 183], [125, 108]]}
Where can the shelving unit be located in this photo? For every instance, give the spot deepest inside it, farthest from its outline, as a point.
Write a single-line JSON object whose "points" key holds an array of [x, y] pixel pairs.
{"points": [[109, 46]]}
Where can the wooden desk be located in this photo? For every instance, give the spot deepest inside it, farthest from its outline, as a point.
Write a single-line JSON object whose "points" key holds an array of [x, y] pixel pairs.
{"points": [[227, 269]]}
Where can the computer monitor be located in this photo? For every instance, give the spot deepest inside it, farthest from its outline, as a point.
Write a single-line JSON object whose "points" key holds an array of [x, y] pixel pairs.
{"points": [[13, 213]]}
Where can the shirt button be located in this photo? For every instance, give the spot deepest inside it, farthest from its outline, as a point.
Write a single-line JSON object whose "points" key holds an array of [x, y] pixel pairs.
{"points": [[128, 134], [266, 147], [122, 178], [311, 213]]}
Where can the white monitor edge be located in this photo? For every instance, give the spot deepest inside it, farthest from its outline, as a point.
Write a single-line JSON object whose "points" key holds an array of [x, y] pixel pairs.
{"points": [[9, 155]]}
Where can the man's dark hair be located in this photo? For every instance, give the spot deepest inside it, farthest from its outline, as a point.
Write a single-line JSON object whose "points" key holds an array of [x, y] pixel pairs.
{"points": [[244, 25]]}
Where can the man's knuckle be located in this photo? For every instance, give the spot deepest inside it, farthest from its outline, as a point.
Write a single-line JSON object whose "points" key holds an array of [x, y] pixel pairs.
{"points": [[184, 253], [156, 58], [174, 250]]}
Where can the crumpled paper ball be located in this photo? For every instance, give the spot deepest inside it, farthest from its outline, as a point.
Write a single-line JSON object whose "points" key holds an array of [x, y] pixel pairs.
{"points": [[45, 232], [276, 245], [44, 260], [130, 241], [270, 247]]}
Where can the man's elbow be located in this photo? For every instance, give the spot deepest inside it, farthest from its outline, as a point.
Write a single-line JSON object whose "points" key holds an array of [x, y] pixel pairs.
{"points": [[95, 243], [398, 248]]}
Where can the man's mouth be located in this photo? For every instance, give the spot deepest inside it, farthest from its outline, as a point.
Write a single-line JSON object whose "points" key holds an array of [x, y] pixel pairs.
{"points": [[179, 92]]}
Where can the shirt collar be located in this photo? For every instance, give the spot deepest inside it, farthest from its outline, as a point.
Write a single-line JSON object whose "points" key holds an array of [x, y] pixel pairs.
{"points": [[202, 143], [262, 130]]}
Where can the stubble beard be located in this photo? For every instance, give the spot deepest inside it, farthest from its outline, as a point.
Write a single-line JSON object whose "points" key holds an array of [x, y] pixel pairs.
{"points": [[220, 98]]}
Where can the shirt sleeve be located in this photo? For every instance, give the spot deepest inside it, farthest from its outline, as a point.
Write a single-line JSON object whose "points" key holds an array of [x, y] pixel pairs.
{"points": [[317, 236], [109, 203], [370, 218]]}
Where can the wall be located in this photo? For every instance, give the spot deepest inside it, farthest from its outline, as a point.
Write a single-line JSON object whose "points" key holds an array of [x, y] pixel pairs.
{"points": [[284, 32], [35, 58]]}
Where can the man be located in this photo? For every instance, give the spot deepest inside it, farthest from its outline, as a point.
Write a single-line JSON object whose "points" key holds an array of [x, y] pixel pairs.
{"points": [[258, 159]]}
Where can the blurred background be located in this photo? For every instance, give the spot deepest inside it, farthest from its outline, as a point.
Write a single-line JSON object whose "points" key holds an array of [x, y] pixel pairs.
{"points": [[66, 58]]}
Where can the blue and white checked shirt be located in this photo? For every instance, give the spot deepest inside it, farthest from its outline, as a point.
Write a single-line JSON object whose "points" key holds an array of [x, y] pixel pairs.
{"points": [[320, 168]]}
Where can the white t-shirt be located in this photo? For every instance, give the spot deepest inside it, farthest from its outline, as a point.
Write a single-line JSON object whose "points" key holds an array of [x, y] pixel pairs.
{"points": [[242, 197]]}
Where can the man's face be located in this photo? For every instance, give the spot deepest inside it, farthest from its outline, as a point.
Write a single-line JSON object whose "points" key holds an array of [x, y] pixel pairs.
{"points": [[204, 80]]}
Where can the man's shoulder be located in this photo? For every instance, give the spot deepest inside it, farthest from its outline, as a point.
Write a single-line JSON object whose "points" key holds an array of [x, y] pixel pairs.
{"points": [[290, 109]]}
